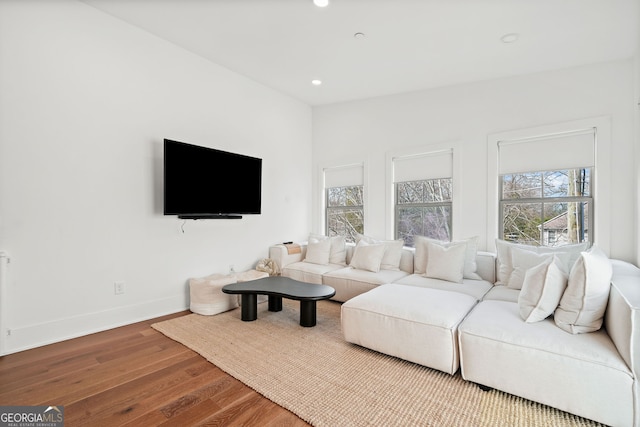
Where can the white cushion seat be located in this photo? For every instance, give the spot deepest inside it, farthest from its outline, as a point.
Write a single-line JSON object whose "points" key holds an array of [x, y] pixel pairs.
{"points": [[349, 282], [474, 288], [541, 362], [309, 272], [409, 322], [502, 293]]}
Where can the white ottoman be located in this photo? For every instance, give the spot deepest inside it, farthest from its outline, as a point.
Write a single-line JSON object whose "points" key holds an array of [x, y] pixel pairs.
{"points": [[247, 276], [206, 292], [413, 323], [206, 296]]}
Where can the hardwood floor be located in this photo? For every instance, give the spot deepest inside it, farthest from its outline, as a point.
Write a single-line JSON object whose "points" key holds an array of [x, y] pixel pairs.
{"points": [[133, 376]]}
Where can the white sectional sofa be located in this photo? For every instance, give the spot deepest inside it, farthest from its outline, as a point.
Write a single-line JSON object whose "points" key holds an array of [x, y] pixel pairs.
{"points": [[478, 326]]}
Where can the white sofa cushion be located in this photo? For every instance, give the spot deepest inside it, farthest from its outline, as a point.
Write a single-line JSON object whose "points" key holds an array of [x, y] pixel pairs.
{"points": [[318, 252], [474, 288], [308, 272], [419, 325], [504, 261], [584, 301], [422, 255], [542, 289], [392, 252], [338, 250], [502, 293], [523, 260], [349, 282], [367, 256], [446, 262]]}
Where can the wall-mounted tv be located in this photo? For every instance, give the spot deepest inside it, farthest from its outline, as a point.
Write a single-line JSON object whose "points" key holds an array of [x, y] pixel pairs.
{"points": [[202, 182]]}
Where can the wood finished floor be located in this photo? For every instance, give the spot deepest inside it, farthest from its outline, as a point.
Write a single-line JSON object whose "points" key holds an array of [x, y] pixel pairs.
{"points": [[134, 376]]}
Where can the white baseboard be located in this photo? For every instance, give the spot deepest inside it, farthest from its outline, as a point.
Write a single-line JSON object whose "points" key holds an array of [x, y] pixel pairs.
{"points": [[32, 336]]}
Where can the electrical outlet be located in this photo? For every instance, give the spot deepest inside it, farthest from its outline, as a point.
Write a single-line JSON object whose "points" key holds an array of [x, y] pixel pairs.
{"points": [[118, 288]]}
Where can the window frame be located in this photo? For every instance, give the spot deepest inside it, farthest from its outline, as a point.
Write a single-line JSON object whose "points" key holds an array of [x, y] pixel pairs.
{"points": [[602, 176], [342, 208], [542, 200], [398, 206]]}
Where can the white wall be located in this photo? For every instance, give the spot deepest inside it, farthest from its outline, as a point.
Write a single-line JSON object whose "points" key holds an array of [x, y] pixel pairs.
{"points": [[465, 116], [85, 103]]}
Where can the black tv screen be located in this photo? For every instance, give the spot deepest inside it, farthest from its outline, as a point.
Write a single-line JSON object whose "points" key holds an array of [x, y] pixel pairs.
{"points": [[201, 182]]}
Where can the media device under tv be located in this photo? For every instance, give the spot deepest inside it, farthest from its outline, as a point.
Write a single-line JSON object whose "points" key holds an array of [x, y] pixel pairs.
{"points": [[202, 183]]}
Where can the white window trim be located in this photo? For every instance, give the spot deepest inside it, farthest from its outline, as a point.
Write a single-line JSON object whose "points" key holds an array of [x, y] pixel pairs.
{"points": [[390, 196], [601, 174], [321, 190]]}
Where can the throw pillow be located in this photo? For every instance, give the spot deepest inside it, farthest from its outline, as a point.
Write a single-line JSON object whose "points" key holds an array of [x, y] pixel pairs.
{"points": [[318, 252], [585, 300], [367, 257], [446, 262], [470, 265], [542, 289], [392, 252], [338, 252], [522, 260], [505, 266]]}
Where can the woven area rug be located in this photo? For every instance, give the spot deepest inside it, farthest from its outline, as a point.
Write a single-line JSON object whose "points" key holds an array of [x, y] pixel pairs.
{"points": [[326, 381]]}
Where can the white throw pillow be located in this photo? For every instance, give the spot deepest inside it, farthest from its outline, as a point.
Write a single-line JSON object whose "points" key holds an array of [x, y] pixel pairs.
{"points": [[392, 252], [318, 252], [338, 252], [522, 260], [585, 300], [470, 265], [505, 267], [446, 262], [367, 257], [541, 290]]}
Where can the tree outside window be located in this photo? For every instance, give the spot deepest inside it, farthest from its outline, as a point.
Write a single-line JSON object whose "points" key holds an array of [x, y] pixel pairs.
{"points": [[549, 208], [423, 208], [345, 211]]}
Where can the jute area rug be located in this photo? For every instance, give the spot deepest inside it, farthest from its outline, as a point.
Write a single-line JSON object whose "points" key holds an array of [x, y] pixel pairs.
{"points": [[326, 381]]}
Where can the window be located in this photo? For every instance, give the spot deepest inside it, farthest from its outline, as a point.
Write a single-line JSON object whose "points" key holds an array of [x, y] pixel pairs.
{"points": [[553, 205], [344, 200], [582, 145], [550, 208], [423, 208], [345, 211], [423, 194]]}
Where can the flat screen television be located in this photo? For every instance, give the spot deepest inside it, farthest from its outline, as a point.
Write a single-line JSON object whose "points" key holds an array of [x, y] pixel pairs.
{"points": [[202, 182]]}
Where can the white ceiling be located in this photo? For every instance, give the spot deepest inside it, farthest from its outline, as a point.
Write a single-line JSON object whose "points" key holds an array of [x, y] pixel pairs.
{"points": [[408, 45]]}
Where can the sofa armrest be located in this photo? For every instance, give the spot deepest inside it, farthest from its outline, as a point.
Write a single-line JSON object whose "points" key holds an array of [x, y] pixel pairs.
{"points": [[622, 318], [486, 266], [282, 257]]}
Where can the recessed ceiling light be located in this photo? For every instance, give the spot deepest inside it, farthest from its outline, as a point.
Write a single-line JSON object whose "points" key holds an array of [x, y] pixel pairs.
{"points": [[316, 82], [321, 3], [510, 38]]}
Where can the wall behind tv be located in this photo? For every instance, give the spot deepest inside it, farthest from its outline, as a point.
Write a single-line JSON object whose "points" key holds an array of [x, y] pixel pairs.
{"points": [[86, 102], [465, 115]]}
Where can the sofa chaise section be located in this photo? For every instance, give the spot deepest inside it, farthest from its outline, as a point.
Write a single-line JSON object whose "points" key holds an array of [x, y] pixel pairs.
{"points": [[412, 323], [593, 375]]}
